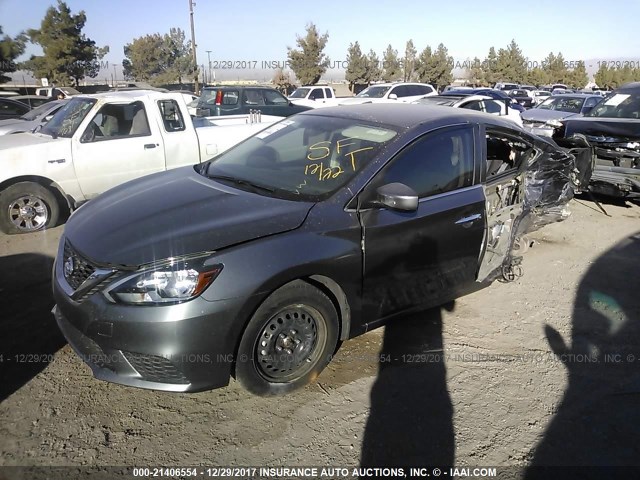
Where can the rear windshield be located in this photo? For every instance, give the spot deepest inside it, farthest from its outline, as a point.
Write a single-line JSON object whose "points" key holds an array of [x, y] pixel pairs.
{"points": [[618, 105]]}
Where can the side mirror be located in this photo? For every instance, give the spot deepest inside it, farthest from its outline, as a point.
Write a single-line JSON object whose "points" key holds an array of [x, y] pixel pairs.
{"points": [[393, 96], [47, 118], [398, 196]]}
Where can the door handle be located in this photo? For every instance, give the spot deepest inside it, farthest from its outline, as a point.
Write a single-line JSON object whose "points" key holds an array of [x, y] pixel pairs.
{"points": [[150, 145], [467, 221]]}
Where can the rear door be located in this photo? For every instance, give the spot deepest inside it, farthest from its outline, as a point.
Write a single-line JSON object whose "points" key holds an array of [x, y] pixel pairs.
{"points": [[426, 257], [119, 144], [180, 140]]}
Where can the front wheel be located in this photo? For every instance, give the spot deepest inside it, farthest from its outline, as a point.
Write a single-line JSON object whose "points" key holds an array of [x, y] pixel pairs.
{"points": [[288, 341], [27, 207]]}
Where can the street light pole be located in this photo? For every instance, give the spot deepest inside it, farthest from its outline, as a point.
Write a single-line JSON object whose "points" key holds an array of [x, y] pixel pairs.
{"points": [[115, 75], [193, 45], [209, 59]]}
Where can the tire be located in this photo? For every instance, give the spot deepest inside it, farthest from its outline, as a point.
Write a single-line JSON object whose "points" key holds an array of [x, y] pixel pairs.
{"points": [[288, 341], [27, 207]]}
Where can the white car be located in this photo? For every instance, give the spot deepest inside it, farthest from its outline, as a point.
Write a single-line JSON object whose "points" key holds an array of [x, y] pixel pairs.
{"points": [[540, 96], [480, 103], [391, 92]]}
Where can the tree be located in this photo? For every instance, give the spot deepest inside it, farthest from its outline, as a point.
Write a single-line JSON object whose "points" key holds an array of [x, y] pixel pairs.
{"points": [[282, 82], [309, 62], [435, 67], [391, 68], [476, 74], [159, 59], [490, 67], [511, 64], [68, 53], [356, 73], [144, 58], [10, 49], [578, 77], [409, 61], [374, 72]]}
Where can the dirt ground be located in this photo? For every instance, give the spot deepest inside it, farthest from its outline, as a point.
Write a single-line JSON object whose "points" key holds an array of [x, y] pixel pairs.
{"points": [[541, 371]]}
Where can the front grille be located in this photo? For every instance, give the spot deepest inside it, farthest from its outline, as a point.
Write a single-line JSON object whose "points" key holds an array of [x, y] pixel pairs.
{"points": [[154, 368], [75, 267]]}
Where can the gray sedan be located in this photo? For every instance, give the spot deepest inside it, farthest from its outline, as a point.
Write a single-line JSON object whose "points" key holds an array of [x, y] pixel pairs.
{"points": [[31, 119], [544, 118]]}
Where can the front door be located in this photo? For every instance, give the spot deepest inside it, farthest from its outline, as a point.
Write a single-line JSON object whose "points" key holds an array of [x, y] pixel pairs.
{"points": [[118, 145], [426, 257]]}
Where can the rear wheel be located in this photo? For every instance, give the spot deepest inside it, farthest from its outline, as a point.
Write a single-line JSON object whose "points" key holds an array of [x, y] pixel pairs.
{"points": [[27, 207], [288, 341]]}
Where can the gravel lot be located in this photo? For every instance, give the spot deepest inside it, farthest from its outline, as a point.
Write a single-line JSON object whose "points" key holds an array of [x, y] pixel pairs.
{"points": [[541, 371]]}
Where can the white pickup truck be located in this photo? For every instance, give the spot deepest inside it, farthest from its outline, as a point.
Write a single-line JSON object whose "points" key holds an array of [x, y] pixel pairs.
{"points": [[315, 96], [96, 142]]}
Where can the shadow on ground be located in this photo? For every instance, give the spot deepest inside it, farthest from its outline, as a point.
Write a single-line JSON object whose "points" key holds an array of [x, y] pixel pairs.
{"points": [[598, 421], [411, 417], [29, 335]]}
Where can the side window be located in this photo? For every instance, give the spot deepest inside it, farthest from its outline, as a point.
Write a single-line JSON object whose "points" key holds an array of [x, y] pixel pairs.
{"points": [[401, 91], [229, 97], [253, 97], [474, 105], [591, 102], [505, 152], [328, 93], [494, 107], [317, 93], [171, 116], [10, 109], [274, 98], [438, 162], [116, 121]]}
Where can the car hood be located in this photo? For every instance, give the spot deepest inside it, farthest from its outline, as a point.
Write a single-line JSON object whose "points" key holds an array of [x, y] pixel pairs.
{"points": [[10, 121], [21, 140], [359, 101], [604, 129], [541, 115], [175, 213]]}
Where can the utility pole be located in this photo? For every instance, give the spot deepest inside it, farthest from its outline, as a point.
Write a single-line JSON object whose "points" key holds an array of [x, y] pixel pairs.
{"points": [[193, 46], [115, 76], [209, 58]]}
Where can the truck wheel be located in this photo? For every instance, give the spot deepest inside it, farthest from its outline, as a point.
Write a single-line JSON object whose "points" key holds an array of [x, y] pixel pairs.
{"points": [[27, 207], [288, 341]]}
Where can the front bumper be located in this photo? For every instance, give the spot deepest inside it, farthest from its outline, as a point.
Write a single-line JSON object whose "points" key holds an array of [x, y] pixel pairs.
{"points": [[186, 347]]}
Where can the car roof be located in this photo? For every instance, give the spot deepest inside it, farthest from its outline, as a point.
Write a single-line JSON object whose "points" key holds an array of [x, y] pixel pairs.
{"points": [[576, 95], [633, 87], [408, 115]]}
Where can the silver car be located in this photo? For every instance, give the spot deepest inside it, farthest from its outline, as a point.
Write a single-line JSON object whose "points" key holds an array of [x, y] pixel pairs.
{"points": [[32, 119]]}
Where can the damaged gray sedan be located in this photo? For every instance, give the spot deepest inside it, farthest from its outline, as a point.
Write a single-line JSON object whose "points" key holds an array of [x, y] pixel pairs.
{"points": [[319, 228], [613, 129]]}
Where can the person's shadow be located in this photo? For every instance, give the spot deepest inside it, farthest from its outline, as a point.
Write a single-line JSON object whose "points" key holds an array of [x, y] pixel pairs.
{"points": [[410, 422], [598, 421], [29, 335]]}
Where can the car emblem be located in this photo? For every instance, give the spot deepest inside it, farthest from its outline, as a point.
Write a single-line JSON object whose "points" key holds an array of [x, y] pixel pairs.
{"points": [[68, 267]]}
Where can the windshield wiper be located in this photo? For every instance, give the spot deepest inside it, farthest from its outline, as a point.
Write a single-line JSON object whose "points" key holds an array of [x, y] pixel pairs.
{"points": [[240, 181]]}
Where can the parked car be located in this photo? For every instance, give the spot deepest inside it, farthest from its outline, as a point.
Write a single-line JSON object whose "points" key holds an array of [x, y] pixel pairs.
{"points": [[522, 97], [613, 128], [10, 108], [313, 231], [505, 86], [8, 93], [96, 142], [32, 119], [242, 99], [495, 94], [391, 92], [55, 92], [480, 103], [192, 106], [315, 96], [32, 101], [540, 96], [545, 118]]}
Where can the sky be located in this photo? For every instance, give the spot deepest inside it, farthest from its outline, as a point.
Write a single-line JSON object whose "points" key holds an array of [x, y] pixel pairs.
{"points": [[254, 31]]}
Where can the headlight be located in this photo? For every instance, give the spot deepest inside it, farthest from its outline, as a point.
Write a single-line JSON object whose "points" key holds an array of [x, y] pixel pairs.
{"points": [[554, 123], [173, 281]]}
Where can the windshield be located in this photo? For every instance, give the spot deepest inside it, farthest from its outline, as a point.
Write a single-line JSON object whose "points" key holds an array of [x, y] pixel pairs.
{"points": [[618, 105], [299, 93], [67, 120], [562, 104], [307, 158], [374, 92]]}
